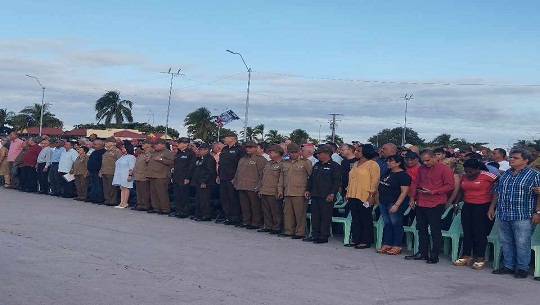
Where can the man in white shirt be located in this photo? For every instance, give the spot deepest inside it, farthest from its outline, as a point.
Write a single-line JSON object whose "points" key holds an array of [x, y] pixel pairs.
{"points": [[43, 165], [64, 167], [499, 155], [307, 153]]}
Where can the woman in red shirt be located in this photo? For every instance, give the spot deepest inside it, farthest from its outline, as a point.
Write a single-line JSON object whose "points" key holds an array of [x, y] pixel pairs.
{"points": [[476, 191]]}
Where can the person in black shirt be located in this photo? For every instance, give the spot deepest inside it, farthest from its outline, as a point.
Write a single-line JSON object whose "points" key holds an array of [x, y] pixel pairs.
{"points": [[184, 163], [204, 176], [94, 166], [323, 185], [228, 162], [393, 198], [347, 152]]}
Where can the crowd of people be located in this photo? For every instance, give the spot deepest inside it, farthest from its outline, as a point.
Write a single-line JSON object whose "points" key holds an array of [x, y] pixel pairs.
{"points": [[269, 187]]}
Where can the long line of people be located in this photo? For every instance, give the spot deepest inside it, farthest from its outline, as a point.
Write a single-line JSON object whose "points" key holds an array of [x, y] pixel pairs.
{"points": [[269, 188]]}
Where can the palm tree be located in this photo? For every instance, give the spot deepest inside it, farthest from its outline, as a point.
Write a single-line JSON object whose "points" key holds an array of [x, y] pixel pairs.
{"points": [[274, 136], [299, 136], [250, 133], [258, 131], [200, 124], [110, 105], [5, 117], [31, 116]]}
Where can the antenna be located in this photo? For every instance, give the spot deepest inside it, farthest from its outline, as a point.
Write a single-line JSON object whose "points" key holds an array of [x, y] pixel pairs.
{"points": [[173, 75], [407, 98]]}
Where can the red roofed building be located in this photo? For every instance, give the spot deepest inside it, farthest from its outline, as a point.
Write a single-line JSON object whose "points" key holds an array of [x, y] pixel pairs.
{"points": [[76, 133], [50, 131], [127, 134]]}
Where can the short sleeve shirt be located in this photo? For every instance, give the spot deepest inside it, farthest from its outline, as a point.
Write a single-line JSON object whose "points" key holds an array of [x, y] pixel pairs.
{"points": [[516, 197], [479, 190], [390, 186]]}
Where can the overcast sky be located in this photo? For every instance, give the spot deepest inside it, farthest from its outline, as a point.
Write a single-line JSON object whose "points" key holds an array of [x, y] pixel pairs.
{"points": [[473, 70]]}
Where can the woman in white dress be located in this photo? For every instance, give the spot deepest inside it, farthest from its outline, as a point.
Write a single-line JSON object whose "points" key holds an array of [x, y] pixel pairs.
{"points": [[123, 174]]}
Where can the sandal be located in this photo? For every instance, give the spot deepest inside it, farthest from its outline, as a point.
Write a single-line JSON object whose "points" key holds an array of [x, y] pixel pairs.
{"points": [[478, 265], [394, 251], [384, 249], [464, 261]]}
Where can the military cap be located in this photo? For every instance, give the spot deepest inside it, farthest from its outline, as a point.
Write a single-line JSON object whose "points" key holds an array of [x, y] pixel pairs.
{"points": [[411, 155], [159, 141], [463, 148], [148, 141], [324, 149], [276, 148], [204, 145], [250, 144], [110, 139], [230, 134], [183, 140]]}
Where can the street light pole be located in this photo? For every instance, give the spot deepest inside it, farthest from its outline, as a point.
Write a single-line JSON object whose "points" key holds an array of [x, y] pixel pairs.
{"points": [[532, 136], [320, 125], [42, 105], [247, 98]]}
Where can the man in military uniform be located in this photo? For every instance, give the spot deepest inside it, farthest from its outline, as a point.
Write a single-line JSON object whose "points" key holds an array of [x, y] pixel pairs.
{"points": [[228, 163], [204, 177], [158, 171], [142, 184], [271, 197], [323, 185], [292, 185], [110, 192], [247, 181], [184, 163]]}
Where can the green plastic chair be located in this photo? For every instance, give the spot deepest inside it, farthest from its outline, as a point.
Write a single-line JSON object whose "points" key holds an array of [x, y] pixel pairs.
{"points": [[346, 221], [535, 246], [411, 234], [493, 239], [378, 227], [452, 235]]}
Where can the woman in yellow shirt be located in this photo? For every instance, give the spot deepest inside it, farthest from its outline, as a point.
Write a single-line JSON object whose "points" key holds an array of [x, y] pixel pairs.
{"points": [[363, 183]]}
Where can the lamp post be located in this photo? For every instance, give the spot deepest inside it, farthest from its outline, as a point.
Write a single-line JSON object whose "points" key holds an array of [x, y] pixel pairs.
{"points": [[42, 105], [247, 98], [173, 75], [320, 125], [532, 136]]}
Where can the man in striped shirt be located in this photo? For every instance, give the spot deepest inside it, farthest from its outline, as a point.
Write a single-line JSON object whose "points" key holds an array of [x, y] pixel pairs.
{"points": [[518, 212]]}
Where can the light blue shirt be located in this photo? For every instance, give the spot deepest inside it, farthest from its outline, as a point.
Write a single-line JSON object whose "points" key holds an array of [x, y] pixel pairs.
{"points": [[66, 160], [57, 153]]}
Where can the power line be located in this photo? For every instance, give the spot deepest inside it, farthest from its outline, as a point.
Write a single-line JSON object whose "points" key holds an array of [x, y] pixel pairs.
{"points": [[398, 82]]}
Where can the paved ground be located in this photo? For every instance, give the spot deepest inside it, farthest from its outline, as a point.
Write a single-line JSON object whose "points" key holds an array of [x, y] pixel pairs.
{"points": [[58, 251]]}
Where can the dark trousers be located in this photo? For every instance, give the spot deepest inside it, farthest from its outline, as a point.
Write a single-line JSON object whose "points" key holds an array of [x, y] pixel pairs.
{"points": [[181, 197], [229, 200], [476, 228], [55, 180], [429, 217], [143, 194], [110, 192], [96, 188], [321, 217], [362, 222], [272, 212], [251, 208], [202, 202], [68, 188], [43, 178], [159, 193], [21, 181], [29, 179]]}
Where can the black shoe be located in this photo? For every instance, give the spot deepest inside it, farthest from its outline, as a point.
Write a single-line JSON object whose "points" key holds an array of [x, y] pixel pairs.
{"points": [[220, 220], [432, 260], [88, 200], [503, 270], [142, 209], [251, 227], [203, 219], [309, 239], [182, 216], [284, 235], [417, 257], [172, 215], [537, 278], [521, 274], [263, 230], [240, 225], [194, 217], [297, 237], [151, 212], [320, 241], [229, 222], [274, 232], [163, 213]]}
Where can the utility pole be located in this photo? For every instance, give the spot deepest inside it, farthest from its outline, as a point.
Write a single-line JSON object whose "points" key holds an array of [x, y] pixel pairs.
{"points": [[333, 125], [151, 115], [407, 98], [173, 75], [42, 104]]}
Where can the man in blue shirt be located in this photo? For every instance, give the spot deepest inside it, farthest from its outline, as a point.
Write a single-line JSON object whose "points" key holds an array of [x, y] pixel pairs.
{"points": [[518, 212], [54, 177]]}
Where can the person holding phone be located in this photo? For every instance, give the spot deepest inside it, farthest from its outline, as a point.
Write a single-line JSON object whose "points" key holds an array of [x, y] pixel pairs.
{"points": [[435, 181]]}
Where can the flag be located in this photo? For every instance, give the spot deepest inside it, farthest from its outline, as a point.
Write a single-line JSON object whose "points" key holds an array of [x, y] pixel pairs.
{"points": [[226, 117]]}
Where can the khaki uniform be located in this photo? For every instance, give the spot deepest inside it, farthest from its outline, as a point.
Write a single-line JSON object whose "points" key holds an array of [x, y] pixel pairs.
{"points": [[80, 171], [269, 190], [158, 171], [535, 164], [110, 192], [247, 181], [142, 184], [293, 183]]}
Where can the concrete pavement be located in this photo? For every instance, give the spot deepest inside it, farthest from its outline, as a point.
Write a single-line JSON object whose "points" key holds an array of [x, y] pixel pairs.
{"points": [[59, 251]]}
